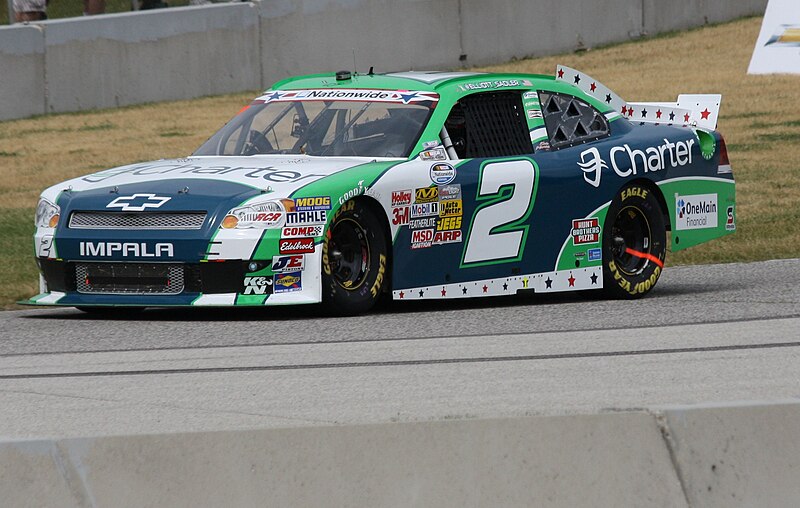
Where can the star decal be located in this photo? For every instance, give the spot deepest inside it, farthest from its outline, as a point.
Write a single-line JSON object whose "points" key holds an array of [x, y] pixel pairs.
{"points": [[594, 278], [608, 98], [577, 78], [704, 114], [644, 113], [402, 295], [274, 96], [549, 283], [485, 288], [464, 291], [406, 97], [630, 112], [505, 286], [560, 73], [624, 110], [686, 117], [571, 281], [671, 116], [658, 114], [444, 292], [593, 87], [421, 292]]}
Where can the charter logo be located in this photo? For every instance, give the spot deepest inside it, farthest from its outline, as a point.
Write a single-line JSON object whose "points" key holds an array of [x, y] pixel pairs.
{"points": [[592, 165], [627, 161], [697, 211]]}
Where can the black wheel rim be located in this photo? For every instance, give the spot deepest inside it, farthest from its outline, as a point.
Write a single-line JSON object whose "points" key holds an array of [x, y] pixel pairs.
{"points": [[349, 254], [631, 240]]}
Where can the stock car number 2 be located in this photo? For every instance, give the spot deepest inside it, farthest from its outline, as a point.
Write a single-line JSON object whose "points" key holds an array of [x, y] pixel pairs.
{"points": [[505, 200]]}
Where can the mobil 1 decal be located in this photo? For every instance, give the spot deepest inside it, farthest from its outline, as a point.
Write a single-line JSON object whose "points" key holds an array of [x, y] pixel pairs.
{"points": [[499, 226]]}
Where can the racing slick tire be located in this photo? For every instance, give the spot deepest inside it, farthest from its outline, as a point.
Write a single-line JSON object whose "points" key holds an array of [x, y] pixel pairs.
{"points": [[355, 260], [634, 243]]}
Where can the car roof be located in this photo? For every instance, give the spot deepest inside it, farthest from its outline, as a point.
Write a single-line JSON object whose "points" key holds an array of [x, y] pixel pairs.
{"points": [[425, 81]]}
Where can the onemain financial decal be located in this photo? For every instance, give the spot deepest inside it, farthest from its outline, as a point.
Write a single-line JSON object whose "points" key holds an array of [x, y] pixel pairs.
{"points": [[698, 211], [627, 161]]}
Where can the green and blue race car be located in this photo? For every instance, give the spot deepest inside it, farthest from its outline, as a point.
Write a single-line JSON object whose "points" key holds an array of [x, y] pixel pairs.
{"points": [[348, 188]]}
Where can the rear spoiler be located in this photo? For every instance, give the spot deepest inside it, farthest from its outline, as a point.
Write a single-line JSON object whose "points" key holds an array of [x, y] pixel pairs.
{"points": [[691, 110]]}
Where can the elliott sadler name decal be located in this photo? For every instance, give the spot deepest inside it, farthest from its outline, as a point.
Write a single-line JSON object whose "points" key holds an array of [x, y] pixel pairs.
{"points": [[126, 249], [626, 161]]}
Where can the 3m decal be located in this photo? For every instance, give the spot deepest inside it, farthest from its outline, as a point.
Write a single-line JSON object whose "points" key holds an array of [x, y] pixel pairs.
{"points": [[442, 173], [138, 202], [426, 195], [301, 231], [585, 231], [257, 285], [312, 204], [292, 263], [696, 211], [400, 216], [498, 230], [287, 283], [296, 246]]}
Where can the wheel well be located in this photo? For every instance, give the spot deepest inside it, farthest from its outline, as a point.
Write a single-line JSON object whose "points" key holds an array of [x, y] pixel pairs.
{"points": [[376, 208], [656, 191]]}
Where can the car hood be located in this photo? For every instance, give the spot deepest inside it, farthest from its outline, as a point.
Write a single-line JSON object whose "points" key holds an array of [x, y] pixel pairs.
{"points": [[221, 176]]}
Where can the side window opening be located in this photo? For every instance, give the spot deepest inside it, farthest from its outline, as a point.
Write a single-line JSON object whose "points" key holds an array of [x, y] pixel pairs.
{"points": [[571, 121], [489, 124]]}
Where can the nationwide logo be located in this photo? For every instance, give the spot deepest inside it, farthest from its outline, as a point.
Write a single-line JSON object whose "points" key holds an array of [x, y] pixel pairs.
{"points": [[401, 198], [257, 285], [288, 282], [301, 231], [426, 195], [442, 173], [138, 202], [585, 231], [296, 246], [627, 161], [126, 249], [292, 263], [697, 211]]}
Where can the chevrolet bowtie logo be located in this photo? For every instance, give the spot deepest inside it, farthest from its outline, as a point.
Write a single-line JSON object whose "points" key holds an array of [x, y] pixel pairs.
{"points": [[138, 202]]}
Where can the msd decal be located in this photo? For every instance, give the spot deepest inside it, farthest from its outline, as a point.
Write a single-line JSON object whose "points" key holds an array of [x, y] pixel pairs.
{"points": [[698, 211], [138, 202], [421, 238], [126, 249]]}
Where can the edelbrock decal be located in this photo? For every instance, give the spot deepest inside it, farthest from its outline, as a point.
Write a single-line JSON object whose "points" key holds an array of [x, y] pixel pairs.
{"points": [[698, 211]]}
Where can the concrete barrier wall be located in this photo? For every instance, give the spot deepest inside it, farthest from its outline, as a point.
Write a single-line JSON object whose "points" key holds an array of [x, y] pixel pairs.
{"points": [[130, 58], [682, 456]]}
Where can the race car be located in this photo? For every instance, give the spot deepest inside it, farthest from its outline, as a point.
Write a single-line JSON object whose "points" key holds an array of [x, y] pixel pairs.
{"points": [[345, 189]]}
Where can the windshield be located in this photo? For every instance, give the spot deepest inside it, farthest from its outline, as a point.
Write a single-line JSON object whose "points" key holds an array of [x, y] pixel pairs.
{"points": [[304, 122]]}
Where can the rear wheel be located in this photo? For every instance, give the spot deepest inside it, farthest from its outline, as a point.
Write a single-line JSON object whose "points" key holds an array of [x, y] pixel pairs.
{"points": [[634, 243], [354, 260]]}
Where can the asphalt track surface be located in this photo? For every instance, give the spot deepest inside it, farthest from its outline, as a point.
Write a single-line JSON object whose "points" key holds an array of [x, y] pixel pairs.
{"points": [[712, 334]]}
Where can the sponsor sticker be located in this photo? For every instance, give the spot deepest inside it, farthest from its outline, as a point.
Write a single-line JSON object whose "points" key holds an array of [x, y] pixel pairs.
{"points": [[585, 231], [424, 210], [434, 154], [442, 173], [530, 95], [442, 237], [422, 223], [595, 254], [259, 285], [288, 282], [426, 195], [450, 208], [296, 246], [698, 211], [312, 204], [401, 197], [301, 231], [400, 215], [421, 238], [306, 217], [730, 223], [452, 191], [291, 263], [446, 223]]}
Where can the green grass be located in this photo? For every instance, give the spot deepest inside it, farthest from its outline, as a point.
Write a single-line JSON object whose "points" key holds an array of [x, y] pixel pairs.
{"points": [[17, 263]]}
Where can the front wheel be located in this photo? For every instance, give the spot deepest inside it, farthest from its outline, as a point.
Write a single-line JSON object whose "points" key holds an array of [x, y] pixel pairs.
{"points": [[354, 260], [634, 243]]}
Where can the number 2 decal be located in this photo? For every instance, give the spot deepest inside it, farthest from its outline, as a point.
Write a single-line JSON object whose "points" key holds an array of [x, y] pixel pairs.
{"points": [[505, 200]]}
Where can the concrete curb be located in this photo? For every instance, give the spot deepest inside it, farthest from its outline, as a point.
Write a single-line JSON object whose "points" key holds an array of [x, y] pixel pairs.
{"points": [[680, 456]]}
